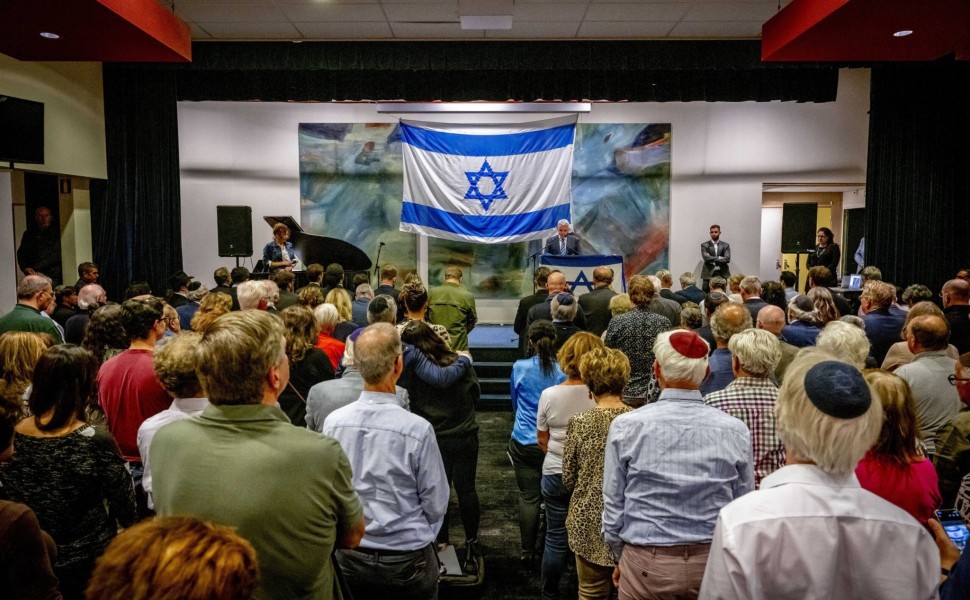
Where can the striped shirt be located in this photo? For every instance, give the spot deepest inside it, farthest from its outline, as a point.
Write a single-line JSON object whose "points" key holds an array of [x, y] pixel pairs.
{"points": [[670, 467], [753, 401]]}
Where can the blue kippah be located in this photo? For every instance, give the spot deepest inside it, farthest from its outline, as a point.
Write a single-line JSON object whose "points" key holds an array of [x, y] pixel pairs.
{"points": [[837, 389], [564, 299]]}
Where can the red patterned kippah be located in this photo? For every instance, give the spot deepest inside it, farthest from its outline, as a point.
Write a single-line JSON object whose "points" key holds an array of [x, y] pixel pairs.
{"points": [[689, 344]]}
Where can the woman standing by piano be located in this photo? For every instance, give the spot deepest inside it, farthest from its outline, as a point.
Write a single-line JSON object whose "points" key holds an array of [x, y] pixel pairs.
{"points": [[279, 253]]}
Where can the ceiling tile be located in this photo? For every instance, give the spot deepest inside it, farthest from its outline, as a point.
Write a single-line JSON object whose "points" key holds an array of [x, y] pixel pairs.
{"points": [[566, 11], [252, 31], [665, 11], [443, 11], [306, 13], [731, 11], [238, 13], [535, 30], [434, 31], [715, 30], [628, 29], [368, 30]]}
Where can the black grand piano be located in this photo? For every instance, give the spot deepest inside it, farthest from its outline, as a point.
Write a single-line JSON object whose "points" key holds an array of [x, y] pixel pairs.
{"points": [[313, 248]]}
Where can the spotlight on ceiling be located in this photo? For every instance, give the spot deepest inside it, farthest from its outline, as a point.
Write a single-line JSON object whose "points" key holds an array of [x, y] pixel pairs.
{"points": [[903, 33], [49, 35]]}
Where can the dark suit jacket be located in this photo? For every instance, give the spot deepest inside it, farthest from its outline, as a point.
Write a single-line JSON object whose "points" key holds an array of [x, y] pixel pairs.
{"points": [[552, 245], [882, 329], [958, 316], [692, 293], [712, 260], [754, 305], [287, 299], [596, 305], [522, 316], [669, 294], [229, 291]]}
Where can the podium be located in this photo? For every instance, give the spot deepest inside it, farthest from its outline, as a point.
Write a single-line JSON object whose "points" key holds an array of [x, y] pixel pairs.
{"points": [[579, 269]]}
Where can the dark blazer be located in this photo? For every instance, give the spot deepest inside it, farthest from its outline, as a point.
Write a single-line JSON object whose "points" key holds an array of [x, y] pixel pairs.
{"points": [[287, 299], [714, 260], [754, 305], [522, 316], [669, 294], [828, 257], [552, 245], [692, 293], [958, 315], [882, 329], [596, 305]]}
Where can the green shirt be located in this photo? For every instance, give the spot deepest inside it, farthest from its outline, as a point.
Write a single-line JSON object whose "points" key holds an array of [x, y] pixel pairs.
{"points": [[284, 488], [26, 318], [454, 309]]}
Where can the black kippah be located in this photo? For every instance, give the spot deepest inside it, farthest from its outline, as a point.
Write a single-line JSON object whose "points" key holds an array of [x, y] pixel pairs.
{"points": [[564, 299], [377, 305], [837, 389]]}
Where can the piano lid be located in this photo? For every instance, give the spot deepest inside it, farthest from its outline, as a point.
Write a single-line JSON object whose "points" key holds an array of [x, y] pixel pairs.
{"points": [[314, 248]]}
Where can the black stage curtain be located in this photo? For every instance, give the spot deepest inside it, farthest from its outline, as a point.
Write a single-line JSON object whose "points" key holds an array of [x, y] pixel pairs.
{"points": [[917, 188], [137, 226], [646, 71]]}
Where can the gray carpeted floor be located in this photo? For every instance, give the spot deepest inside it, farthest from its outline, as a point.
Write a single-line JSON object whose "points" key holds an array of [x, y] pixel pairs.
{"points": [[505, 578]]}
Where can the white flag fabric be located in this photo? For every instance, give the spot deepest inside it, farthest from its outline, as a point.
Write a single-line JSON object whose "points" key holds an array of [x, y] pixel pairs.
{"points": [[487, 183]]}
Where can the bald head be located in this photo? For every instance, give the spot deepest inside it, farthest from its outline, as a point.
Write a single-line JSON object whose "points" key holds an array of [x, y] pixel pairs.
{"points": [[771, 318], [556, 283], [956, 292], [602, 276], [727, 320], [928, 333]]}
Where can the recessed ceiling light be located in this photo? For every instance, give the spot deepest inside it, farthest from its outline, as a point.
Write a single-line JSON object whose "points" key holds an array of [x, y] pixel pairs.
{"points": [[903, 33], [49, 35]]}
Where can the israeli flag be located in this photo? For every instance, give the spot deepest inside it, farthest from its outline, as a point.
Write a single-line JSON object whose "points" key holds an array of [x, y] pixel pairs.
{"points": [[487, 183]]}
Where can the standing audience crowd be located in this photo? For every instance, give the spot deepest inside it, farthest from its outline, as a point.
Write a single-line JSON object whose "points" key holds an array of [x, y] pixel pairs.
{"points": [[254, 440]]}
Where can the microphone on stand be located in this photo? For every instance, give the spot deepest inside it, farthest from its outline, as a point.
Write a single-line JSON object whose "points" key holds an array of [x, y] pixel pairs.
{"points": [[377, 263]]}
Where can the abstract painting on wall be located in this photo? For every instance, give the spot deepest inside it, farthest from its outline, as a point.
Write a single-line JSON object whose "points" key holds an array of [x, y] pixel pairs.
{"points": [[351, 188]]}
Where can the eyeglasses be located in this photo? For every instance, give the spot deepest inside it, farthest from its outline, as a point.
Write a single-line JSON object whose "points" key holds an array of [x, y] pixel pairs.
{"points": [[953, 379]]}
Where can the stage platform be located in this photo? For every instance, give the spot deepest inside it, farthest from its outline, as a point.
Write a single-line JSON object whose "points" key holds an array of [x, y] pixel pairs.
{"points": [[494, 349]]}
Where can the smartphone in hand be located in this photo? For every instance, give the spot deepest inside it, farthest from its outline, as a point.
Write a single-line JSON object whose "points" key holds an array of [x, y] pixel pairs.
{"points": [[954, 526]]}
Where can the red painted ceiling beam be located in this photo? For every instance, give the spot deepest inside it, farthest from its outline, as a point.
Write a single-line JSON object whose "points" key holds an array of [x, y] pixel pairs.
{"points": [[862, 30], [93, 30]]}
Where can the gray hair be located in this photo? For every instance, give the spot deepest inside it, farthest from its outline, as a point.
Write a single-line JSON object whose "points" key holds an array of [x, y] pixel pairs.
{"points": [[729, 319], [835, 445], [676, 366], [751, 285], [687, 279], [326, 316], [90, 296], [198, 293], [271, 291], [564, 222], [382, 313], [31, 285], [364, 290], [564, 309], [376, 350], [757, 350], [249, 293], [846, 342]]}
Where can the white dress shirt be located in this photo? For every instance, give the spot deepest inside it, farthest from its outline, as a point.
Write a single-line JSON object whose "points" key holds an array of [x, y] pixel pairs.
{"points": [[811, 535], [181, 408]]}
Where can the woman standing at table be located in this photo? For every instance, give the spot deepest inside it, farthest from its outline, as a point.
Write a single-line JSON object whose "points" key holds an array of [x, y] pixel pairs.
{"points": [[279, 253], [827, 253]]}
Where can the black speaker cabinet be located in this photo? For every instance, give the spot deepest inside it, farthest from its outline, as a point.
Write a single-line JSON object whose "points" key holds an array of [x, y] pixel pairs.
{"points": [[235, 228], [798, 227]]}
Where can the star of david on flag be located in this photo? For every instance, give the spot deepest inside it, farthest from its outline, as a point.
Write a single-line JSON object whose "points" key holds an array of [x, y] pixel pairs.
{"points": [[486, 172], [487, 183]]}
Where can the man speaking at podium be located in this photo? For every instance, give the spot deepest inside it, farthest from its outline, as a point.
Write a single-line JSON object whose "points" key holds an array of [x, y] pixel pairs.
{"points": [[564, 243]]}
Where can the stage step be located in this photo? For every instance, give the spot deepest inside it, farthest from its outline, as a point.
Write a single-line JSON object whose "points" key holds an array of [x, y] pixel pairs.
{"points": [[494, 369]]}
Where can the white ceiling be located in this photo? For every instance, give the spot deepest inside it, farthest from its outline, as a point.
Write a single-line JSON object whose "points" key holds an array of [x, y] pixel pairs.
{"points": [[439, 20]]}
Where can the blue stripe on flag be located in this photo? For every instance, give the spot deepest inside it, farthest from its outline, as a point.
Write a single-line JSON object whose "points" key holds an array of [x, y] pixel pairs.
{"points": [[484, 225], [508, 144], [553, 260]]}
